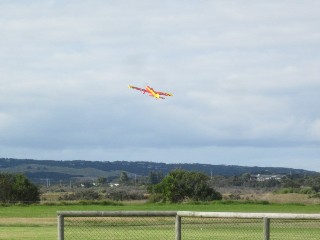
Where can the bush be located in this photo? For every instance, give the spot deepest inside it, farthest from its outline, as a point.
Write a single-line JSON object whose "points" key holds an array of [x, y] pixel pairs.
{"points": [[82, 195], [307, 190], [285, 190], [17, 188], [156, 197], [181, 185], [121, 194]]}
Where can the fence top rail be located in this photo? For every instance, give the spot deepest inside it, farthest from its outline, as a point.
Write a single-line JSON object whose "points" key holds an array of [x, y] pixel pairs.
{"points": [[117, 213], [186, 214], [248, 215]]}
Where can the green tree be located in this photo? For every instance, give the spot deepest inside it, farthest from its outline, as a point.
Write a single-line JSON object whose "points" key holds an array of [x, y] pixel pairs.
{"points": [[180, 185], [17, 188], [124, 177], [314, 183], [102, 180], [155, 177], [6, 187]]}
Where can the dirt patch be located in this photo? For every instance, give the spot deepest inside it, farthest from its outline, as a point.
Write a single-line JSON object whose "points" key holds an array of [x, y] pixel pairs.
{"points": [[28, 221], [266, 195], [289, 198], [281, 198]]}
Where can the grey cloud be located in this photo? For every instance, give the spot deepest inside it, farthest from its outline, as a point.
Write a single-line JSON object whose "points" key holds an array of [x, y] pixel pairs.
{"points": [[242, 75]]}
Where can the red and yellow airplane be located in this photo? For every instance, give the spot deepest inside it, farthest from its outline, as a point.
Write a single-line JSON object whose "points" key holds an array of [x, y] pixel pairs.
{"points": [[151, 91]]}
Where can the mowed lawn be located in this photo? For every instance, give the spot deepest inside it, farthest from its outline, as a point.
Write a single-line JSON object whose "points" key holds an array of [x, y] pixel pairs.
{"points": [[39, 222]]}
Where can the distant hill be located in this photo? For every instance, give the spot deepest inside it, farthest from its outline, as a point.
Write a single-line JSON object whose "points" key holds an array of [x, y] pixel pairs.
{"points": [[55, 170]]}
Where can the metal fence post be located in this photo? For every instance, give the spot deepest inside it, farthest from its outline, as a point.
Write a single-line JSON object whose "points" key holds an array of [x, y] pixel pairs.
{"points": [[60, 227], [266, 228], [178, 227]]}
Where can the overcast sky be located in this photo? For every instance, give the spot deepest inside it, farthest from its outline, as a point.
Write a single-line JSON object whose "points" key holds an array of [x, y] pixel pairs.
{"points": [[245, 77]]}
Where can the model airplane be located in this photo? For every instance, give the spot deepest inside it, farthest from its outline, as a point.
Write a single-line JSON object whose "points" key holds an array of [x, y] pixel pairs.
{"points": [[151, 91]]}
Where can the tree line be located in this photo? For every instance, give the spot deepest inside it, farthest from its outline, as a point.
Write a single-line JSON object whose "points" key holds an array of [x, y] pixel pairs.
{"points": [[176, 186]]}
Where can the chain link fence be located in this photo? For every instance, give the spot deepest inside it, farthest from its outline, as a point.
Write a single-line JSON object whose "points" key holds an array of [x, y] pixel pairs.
{"points": [[221, 228], [187, 226], [119, 228], [294, 229]]}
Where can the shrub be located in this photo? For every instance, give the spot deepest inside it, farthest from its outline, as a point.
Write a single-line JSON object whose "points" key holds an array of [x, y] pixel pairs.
{"points": [[180, 185], [17, 188]]}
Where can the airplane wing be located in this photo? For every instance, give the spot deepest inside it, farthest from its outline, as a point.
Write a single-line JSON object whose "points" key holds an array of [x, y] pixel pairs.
{"points": [[136, 88], [165, 94]]}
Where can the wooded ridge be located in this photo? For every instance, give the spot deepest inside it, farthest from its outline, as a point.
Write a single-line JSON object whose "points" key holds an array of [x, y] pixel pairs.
{"points": [[64, 170]]}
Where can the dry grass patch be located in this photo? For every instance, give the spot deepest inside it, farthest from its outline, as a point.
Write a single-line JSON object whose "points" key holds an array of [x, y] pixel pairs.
{"points": [[27, 221], [282, 198]]}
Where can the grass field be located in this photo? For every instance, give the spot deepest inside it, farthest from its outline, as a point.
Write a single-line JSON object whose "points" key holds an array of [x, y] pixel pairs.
{"points": [[39, 222]]}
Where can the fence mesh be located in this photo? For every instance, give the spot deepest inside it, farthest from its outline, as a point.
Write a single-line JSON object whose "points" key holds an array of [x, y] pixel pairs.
{"points": [[118, 228], [192, 228], [221, 228], [294, 229]]}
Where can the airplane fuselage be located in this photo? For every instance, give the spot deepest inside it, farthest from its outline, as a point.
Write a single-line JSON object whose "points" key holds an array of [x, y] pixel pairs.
{"points": [[152, 92]]}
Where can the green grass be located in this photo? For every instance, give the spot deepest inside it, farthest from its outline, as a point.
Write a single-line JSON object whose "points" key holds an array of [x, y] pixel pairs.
{"points": [[39, 222], [28, 233], [50, 211]]}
